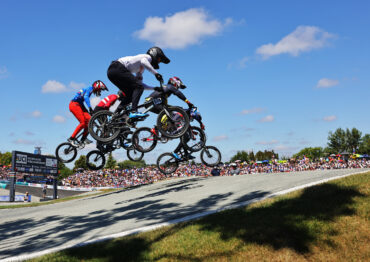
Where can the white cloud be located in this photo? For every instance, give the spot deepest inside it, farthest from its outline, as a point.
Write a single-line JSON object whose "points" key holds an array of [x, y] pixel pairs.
{"points": [[21, 141], [326, 83], [3, 72], [59, 119], [302, 39], [272, 142], [265, 119], [220, 138], [285, 148], [76, 86], [29, 133], [181, 29], [252, 111], [36, 114], [330, 118], [52, 86]]}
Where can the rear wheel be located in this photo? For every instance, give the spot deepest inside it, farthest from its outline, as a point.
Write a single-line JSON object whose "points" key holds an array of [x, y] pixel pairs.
{"points": [[95, 160], [167, 163], [174, 124], [104, 126], [66, 152], [210, 156], [144, 140], [134, 155], [194, 140]]}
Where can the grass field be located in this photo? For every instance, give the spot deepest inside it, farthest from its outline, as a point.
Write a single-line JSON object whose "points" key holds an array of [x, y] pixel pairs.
{"points": [[327, 222]]}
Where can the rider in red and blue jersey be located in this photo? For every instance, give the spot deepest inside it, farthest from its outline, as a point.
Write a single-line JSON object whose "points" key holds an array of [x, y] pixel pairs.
{"points": [[76, 106]]}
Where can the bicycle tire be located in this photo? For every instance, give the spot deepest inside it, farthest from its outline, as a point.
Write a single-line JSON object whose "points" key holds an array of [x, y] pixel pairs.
{"points": [[205, 152], [199, 145], [171, 161], [103, 132], [91, 164], [70, 149], [171, 130], [130, 151], [136, 140]]}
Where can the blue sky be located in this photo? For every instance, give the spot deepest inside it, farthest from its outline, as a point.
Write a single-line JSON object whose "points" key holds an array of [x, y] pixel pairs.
{"points": [[264, 74]]}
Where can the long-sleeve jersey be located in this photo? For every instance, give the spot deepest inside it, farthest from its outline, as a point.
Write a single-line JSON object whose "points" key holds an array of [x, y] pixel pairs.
{"points": [[83, 96], [167, 91], [137, 64], [108, 101]]}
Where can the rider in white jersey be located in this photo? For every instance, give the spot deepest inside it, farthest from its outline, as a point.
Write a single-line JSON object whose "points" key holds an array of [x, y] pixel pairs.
{"points": [[121, 73]]}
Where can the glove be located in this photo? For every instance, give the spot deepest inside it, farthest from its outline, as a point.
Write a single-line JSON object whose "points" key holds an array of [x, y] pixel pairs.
{"points": [[90, 111], [159, 77], [202, 127], [158, 89], [190, 105]]}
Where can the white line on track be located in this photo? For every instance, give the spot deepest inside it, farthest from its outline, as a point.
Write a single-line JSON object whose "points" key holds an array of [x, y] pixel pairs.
{"points": [[184, 219]]}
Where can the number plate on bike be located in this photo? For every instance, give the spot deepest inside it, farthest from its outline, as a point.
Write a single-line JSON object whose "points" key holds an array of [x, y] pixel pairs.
{"points": [[157, 101]]}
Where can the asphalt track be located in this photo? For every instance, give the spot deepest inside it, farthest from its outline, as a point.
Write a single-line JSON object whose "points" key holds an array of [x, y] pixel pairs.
{"points": [[32, 231]]}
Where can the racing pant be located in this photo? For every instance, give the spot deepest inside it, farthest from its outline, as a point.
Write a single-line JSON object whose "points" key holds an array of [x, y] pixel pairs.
{"points": [[121, 77], [80, 112]]}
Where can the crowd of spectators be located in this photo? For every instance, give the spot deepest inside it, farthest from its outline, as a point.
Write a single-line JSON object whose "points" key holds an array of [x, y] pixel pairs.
{"points": [[150, 174]]}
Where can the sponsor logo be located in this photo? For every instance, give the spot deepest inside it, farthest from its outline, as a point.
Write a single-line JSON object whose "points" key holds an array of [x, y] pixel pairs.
{"points": [[21, 159]]}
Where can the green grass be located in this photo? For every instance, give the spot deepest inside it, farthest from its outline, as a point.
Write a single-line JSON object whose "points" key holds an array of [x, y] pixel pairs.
{"points": [[327, 222]]}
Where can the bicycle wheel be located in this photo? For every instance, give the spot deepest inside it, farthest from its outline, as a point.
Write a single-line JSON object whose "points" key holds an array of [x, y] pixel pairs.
{"points": [[210, 156], [104, 127], [194, 140], [173, 122], [66, 152], [167, 163], [95, 160], [134, 155], [144, 140]]}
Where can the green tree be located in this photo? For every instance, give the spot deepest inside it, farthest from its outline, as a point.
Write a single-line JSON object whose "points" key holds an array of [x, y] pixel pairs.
{"points": [[80, 163], [240, 155], [313, 153], [337, 140], [111, 162], [353, 139], [251, 156], [6, 158], [364, 147], [131, 164], [260, 156]]}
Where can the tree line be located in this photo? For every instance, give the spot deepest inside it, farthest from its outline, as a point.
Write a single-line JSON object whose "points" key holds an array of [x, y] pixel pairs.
{"points": [[339, 141]]}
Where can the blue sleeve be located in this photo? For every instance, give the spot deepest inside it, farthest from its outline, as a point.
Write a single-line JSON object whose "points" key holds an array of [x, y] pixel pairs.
{"points": [[87, 95]]}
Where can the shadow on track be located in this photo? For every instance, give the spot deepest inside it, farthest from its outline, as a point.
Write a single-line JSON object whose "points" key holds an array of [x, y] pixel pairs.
{"points": [[284, 224]]}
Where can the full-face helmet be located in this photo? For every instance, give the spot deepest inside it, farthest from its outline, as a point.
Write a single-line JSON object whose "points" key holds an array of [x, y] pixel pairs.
{"points": [[98, 86], [157, 56]]}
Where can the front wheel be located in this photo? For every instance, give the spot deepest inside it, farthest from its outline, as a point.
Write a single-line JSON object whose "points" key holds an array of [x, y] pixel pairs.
{"points": [[167, 163], [173, 122], [144, 140], [95, 160], [134, 155], [104, 127], [210, 156], [66, 152], [194, 140]]}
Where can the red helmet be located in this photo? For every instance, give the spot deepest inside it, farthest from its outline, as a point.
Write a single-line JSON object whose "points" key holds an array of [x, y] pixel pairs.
{"points": [[176, 82], [98, 86]]}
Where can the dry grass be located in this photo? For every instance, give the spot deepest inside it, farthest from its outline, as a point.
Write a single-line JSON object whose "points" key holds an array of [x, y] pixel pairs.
{"points": [[328, 222]]}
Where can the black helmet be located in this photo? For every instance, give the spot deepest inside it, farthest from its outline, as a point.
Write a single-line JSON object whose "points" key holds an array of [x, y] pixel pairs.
{"points": [[157, 53]]}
